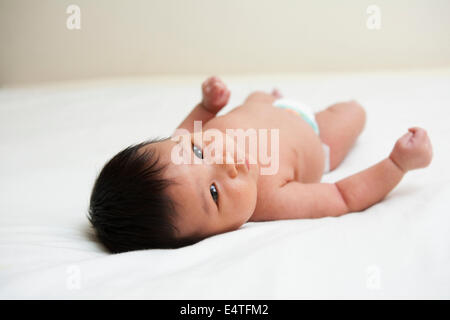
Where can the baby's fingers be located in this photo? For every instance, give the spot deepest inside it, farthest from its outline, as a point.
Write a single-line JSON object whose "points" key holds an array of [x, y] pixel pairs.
{"points": [[418, 132], [405, 139]]}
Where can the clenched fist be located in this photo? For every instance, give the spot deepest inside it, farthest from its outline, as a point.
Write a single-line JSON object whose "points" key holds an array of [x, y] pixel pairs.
{"points": [[215, 94], [413, 150]]}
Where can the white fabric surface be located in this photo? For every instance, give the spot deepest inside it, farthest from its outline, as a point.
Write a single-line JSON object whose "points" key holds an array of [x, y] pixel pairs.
{"points": [[55, 138]]}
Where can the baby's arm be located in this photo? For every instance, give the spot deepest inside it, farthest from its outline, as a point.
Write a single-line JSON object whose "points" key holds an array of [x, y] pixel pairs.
{"points": [[359, 191], [215, 96]]}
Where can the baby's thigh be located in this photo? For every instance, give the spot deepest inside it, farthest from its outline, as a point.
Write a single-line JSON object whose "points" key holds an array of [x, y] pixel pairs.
{"points": [[340, 125]]}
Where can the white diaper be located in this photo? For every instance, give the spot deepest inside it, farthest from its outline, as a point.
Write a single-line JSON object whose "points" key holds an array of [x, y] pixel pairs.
{"points": [[307, 114]]}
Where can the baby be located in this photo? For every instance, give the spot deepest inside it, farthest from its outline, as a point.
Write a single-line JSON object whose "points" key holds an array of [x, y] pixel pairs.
{"points": [[148, 196]]}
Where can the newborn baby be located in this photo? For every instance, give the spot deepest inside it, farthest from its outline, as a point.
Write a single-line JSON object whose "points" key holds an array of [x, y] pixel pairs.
{"points": [[149, 196]]}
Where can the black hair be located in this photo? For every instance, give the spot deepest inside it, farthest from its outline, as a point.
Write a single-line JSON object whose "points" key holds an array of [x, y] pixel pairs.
{"points": [[129, 207]]}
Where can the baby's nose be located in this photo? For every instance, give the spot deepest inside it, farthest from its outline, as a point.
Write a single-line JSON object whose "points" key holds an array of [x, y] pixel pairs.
{"points": [[230, 165]]}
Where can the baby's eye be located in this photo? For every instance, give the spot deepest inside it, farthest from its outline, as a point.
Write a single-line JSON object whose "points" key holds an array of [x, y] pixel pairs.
{"points": [[197, 151], [214, 193]]}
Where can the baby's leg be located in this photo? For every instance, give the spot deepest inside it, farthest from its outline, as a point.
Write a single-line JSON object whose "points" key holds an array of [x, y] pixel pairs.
{"points": [[340, 125]]}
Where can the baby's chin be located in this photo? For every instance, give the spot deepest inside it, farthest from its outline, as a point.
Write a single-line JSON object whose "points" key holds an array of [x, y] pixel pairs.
{"points": [[248, 216], [251, 199]]}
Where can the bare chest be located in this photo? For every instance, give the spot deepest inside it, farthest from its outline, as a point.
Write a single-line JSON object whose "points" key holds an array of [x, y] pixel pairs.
{"points": [[282, 137]]}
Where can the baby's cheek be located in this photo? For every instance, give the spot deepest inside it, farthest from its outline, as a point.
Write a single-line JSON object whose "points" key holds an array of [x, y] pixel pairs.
{"points": [[246, 200]]}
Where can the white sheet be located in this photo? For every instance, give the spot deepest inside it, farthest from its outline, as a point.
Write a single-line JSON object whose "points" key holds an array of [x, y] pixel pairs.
{"points": [[55, 138]]}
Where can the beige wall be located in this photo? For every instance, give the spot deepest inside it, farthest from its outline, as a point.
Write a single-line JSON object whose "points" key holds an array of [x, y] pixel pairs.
{"points": [[137, 37]]}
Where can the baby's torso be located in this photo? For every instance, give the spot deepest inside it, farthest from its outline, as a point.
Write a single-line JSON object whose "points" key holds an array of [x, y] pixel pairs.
{"points": [[300, 153]]}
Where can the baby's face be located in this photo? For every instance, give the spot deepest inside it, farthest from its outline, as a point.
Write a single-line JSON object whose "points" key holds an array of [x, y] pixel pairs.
{"points": [[212, 197]]}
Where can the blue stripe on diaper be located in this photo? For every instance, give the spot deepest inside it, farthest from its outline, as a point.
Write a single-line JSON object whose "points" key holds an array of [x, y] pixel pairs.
{"points": [[305, 117]]}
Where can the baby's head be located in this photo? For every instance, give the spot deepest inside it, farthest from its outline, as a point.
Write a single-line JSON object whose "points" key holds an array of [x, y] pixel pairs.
{"points": [[142, 199]]}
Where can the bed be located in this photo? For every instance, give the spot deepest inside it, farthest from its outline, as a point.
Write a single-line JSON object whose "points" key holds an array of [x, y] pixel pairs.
{"points": [[56, 137]]}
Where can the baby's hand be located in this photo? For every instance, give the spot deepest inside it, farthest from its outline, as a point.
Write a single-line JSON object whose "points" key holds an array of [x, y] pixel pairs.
{"points": [[413, 150], [215, 94]]}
